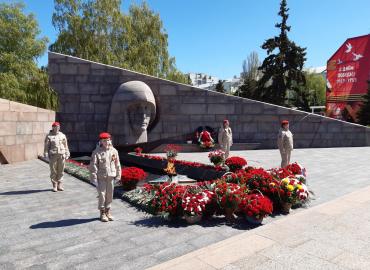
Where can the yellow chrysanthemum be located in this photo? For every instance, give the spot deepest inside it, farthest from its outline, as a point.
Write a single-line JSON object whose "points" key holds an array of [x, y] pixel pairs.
{"points": [[285, 181], [290, 187], [299, 186]]}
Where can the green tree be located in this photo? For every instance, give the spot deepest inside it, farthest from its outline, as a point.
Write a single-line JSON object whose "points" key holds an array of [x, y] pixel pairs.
{"points": [[20, 78], [249, 76], [282, 68], [364, 113], [316, 87], [97, 30], [220, 87]]}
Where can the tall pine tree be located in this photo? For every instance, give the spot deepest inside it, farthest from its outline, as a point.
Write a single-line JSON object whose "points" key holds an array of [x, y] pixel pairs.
{"points": [[364, 113], [282, 68]]}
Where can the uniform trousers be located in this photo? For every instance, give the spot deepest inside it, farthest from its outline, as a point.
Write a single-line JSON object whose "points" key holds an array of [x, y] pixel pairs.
{"points": [[56, 163], [105, 189], [285, 157]]}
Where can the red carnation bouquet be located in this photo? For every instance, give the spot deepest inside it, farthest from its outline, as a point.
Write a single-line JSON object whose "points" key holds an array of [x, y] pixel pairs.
{"points": [[256, 205], [235, 163], [130, 176], [166, 199], [195, 204], [228, 194], [261, 180]]}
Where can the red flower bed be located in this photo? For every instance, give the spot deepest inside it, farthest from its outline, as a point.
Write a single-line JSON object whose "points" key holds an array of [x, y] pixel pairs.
{"points": [[80, 164], [235, 163], [132, 174], [138, 150], [185, 163]]}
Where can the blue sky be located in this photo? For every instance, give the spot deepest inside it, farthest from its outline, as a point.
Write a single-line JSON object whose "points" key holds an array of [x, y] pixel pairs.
{"points": [[214, 36]]}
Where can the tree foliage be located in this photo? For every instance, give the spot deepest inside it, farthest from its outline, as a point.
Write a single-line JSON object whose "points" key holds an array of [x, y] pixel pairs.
{"points": [[282, 68], [220, 87], [250, 77], [364, 113], [97, 30], [20, 78]]}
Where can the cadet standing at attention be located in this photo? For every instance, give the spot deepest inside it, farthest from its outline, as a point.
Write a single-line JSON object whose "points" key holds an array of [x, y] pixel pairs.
{"points": [[285, 143], [56, 148], [225, 138], [105, 169]]}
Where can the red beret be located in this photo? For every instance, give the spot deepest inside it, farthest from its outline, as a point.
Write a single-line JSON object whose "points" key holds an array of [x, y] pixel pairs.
{"points": [[55, 124], [284, 122], [226, 121], [104, 135]]}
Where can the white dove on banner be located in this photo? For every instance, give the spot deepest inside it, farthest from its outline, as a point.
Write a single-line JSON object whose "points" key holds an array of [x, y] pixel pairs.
{"points": [[349, 47], [357, 56]]}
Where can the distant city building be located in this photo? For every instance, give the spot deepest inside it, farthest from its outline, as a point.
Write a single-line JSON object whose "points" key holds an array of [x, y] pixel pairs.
{"points": [[198, 79], [317, 70], [209, 82]]}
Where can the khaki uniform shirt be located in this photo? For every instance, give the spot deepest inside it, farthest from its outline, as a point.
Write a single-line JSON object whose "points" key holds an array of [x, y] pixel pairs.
{"points": [[105, 162], [285, 140], [56, 144], [225, 136]]}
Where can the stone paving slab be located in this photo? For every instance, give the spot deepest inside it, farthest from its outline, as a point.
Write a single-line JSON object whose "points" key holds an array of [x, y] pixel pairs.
{"points": [[40, 229], [327, 241]]}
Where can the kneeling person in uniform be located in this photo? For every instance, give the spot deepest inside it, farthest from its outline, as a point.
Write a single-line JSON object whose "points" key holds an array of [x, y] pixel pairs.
{"points": [[105, 169], [56, 148]]}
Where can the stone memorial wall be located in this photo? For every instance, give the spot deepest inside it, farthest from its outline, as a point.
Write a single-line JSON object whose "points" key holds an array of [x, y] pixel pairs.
{"points": [[86, 90], [22, 131]]}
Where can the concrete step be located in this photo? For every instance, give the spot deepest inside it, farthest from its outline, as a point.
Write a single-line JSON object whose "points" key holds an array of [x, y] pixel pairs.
{"points": [[189, 148]]}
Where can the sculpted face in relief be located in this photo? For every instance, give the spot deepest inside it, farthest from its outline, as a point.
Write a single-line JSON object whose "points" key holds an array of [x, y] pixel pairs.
{"points": [[133, 109], [139, 117]]}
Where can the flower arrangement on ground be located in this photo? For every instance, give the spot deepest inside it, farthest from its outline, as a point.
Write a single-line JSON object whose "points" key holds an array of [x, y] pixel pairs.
{"points": [[235, 163], [256, 206], [235, 177], [194, 204], [130, 176], [228, 194], [166, 199], [292, 191], [296, 169], [217, 157], [172, 151], [138, 151], [205, 140], [261, 180]]}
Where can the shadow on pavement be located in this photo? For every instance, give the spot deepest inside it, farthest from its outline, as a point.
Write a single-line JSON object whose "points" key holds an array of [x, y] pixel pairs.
{"points": [[62, 223], [156, 221], [23, 192]]}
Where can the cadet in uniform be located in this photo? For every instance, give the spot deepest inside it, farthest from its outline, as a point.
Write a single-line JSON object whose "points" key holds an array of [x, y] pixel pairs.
{"points": [[56, 148], [285, 143], [105, 169], [225, 138]]}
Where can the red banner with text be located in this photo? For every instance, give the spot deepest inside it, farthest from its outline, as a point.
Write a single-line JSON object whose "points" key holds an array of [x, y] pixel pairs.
{"points": [[348, 71]]}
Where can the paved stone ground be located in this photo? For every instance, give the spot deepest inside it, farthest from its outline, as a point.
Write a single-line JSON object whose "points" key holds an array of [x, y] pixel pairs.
{"points": [[330, 236], [40, 229], [332, 172]]}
